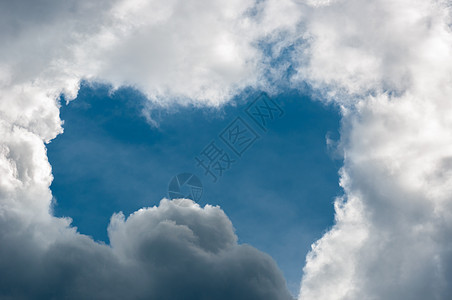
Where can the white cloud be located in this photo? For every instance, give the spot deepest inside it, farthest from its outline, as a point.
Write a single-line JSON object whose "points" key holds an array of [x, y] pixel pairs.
{"points": [[174, 51], [386, 63], [181, 49]]}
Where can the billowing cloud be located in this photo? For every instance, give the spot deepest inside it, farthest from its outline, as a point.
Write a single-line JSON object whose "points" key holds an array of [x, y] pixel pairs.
{"points": [[200, 50], [176, 250], [387, 64], [173, 51]]}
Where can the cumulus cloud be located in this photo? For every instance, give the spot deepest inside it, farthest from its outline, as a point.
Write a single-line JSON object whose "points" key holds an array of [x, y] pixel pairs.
{"points": [[186, 50], [387, 64], [174, 51], [176, 250]]}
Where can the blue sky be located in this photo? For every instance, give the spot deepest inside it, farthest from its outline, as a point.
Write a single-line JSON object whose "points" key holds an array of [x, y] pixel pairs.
{"points": [[279, 195], [380, 74]]}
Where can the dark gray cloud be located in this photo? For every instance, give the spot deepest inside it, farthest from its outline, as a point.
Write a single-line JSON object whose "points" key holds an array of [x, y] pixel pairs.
{"points": [[177, 250]]}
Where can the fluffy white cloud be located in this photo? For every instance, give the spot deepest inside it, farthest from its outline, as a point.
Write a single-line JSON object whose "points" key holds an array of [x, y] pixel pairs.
{"points": [[389, 65], [186, 50], [386, 63], [198, 51]]}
